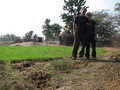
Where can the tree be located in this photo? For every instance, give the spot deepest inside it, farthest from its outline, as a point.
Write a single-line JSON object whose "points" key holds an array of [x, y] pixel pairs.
{"points": [[66, 38], [47, 29], [116, 40], [28, 36], [55, 31], [72, 9], [35, 38], [51, 31], [9, 37], [117, 7], [106, 26]]}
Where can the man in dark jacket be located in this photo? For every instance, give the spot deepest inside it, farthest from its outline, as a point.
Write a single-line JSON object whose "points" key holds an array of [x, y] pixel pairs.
{"points": [[79, 31]]}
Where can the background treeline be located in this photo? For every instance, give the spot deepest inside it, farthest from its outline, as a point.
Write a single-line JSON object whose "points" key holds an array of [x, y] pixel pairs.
{"points": [[108, 23], [9, 37], [29, 36], [108, 26]]}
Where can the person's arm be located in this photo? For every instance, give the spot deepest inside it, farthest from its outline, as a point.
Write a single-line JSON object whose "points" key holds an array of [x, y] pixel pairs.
{"points": [[95, 31], [74, 28]]}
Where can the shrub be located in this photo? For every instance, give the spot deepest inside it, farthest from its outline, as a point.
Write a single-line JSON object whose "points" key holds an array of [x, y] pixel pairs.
{"points": [[66, 38], [116, 41], [61, 65]]}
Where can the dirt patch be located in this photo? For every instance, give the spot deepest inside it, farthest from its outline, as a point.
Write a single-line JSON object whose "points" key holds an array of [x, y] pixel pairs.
{"points": [[22, 66], [112, 57], [2, 63], [50, 43], [112, 76], [108, 49], [77, 64], [115, 57], [39, 78], [13, 85]]}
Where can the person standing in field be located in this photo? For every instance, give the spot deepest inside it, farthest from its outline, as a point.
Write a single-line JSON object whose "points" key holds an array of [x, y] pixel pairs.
{"points": [[91, 36], [79, 30]]}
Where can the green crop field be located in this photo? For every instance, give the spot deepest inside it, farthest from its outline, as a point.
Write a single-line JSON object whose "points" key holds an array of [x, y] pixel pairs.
{"points": [[12, 53]]}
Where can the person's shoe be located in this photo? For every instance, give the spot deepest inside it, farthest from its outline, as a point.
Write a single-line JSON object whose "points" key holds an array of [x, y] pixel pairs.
{"points": [[80, 56], [94, 58], [73, 58], [87, 58]]}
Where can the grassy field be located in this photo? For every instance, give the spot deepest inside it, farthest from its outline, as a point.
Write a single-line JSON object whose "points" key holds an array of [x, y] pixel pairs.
{"points": [[11, 53]]}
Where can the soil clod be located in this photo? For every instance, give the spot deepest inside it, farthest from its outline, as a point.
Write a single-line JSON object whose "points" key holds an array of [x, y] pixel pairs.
{"points": [[39, 78]]}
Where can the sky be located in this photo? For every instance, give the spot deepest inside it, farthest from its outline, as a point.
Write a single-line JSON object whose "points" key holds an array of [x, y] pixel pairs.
{"points": [[20, 16]]}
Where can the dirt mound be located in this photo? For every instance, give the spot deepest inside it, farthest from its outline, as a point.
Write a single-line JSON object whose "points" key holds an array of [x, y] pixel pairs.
{"points": [[115, 57], [50, 43], [39, 78], [78, 64], [22, 66], [23, 44]]}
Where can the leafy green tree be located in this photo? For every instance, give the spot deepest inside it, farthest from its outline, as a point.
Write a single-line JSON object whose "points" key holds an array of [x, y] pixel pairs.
{"points": [[28, 36], [72, 8], [116, 37], [51, 32], [106, 26], [35, 38], [55, 31], [9, 37], [117, 7], [47, 29]]}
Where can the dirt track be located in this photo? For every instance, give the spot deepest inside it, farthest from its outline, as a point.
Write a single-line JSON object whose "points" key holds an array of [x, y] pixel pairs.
{"points": [[52, 43]]}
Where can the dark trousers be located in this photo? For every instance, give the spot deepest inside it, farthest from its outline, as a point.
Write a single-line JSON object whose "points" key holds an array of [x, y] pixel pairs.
{"points": [[81, 54], [77, 40], [90, 40]]}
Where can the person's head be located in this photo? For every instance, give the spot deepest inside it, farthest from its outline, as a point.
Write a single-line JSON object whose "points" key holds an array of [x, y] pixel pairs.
{"points": [[83, 11], [89, 15]]}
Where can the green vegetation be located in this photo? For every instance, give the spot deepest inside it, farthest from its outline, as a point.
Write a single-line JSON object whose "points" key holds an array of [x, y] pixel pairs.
{"points": [[7, 68], [12, 53], [116, 52], [61, 65], [51, 31]]}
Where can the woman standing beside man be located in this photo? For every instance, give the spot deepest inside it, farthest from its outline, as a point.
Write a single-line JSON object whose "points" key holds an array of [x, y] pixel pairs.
{"points": [[91, 36], [88, 37]]}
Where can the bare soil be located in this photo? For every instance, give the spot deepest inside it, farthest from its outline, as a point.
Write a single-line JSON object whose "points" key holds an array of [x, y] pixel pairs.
{"points": [[52, 43]]}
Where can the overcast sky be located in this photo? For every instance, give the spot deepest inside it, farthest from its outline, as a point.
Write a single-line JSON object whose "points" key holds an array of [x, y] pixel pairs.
{"points": [[20, 16]]}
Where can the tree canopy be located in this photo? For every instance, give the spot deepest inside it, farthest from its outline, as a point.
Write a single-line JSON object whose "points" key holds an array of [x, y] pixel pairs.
{"points": [[106, 26], [72, 8], [117, 7], [51, 31]]}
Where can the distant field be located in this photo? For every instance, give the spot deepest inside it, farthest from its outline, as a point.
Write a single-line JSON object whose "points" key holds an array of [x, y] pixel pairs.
{"points": [[12, 53]]}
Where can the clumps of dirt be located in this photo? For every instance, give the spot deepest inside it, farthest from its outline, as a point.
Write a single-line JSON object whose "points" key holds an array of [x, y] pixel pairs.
{"points": [[78, 64], [1, 65], [22, 66], [13, 85], [2, 73], [2, 62], [115, 57], [112, 76], [39, 79]]}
